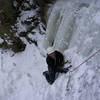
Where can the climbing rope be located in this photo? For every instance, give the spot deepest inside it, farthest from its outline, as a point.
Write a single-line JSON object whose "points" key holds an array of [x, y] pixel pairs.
{"points": [[67, 87], [85, 60]]}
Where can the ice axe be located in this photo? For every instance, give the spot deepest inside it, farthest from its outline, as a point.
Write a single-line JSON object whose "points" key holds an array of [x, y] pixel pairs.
{"points": [[67, 62]]}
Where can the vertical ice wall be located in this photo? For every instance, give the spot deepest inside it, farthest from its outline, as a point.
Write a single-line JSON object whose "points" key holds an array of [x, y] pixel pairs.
{"points": [[60, 25], [52, 26], [70, 19], [74, 27]]}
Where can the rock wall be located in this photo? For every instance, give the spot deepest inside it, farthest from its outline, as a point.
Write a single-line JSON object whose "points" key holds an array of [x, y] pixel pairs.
{"points": [[8, 17], [11, 13], [44, 5]]}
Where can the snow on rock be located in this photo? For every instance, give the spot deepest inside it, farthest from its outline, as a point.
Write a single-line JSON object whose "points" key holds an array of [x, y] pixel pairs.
{"points": [[27, 14], [20, 26]]}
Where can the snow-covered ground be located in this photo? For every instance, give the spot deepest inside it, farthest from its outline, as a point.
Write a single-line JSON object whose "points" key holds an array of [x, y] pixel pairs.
{"points": [[21, 75], [77, 35]]}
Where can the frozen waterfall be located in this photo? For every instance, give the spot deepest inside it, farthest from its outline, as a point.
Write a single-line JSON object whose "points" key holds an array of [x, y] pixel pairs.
{"points": [[74, 28]]}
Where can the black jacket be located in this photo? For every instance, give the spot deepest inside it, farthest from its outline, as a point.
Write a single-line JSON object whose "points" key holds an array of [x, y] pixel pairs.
{"points": [[55, 64]]}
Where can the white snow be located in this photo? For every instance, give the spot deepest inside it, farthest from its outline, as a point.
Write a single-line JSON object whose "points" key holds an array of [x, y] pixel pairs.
{"points": [[21, 75], [20, 26], [27, 14]]}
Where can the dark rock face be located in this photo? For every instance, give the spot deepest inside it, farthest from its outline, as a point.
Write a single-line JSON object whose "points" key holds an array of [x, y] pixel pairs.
{"points": [[17, 45], [8, 17], [44, 8], [25, 5], [10, 11], [7, 13], [43, 3]]}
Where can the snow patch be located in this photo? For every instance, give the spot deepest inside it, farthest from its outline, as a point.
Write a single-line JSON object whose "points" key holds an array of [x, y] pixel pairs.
{"points": [[27, 14]]}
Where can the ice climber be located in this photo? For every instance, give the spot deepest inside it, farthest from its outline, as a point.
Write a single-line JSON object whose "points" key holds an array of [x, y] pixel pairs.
{"points": [[55, 62]]}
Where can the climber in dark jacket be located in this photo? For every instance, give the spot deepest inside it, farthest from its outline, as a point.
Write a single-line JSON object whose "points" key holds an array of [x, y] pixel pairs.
{"points": [[55, 62]]}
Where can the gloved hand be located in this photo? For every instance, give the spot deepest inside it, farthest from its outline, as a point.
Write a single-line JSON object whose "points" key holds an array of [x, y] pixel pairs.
{"points": [[45, 73], [65, 70]]}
